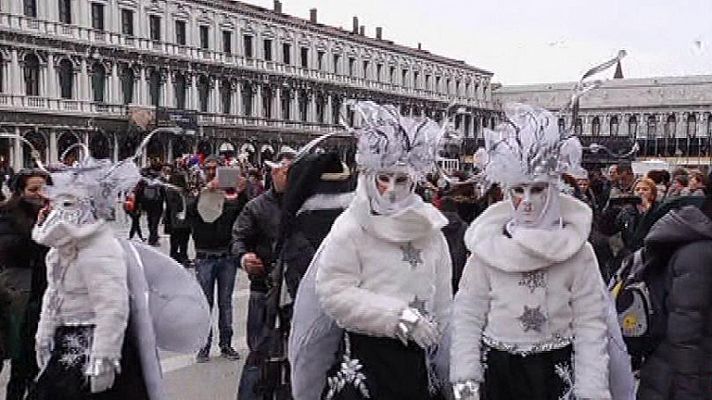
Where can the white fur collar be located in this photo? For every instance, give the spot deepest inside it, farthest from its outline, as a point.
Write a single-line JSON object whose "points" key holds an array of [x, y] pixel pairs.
{"points": [[528, 249]]}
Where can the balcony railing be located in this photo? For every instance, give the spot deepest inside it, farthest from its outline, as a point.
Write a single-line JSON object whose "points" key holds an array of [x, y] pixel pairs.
{"points": [[49, 28]]}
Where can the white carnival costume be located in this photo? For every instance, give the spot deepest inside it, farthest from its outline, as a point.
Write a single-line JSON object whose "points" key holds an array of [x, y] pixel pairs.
{"points": [[109, 304], [531, 319], [381, 276]]}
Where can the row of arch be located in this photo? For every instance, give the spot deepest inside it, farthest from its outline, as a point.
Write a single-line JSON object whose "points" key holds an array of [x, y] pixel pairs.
{"points": [[634, 129]]}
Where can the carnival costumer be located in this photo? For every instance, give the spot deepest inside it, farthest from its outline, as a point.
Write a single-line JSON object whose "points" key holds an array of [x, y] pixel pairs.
{"points": [[382, 274], [529, 321]]}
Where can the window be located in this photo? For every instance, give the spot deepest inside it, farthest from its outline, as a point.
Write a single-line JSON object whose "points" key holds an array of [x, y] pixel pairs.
{"points": [[66, 78], [392, 75], [365, 70], [286, 53], [427, 82], [154, 23], [614, 126], [337, 60], [352, 61], [97, 16], [404, 77], [415, 79], [437, 84], [180, 88], [247, 100], [32, 75], [204, 37], [304, 57], [303, 105], [127, 24], [379, 68], [320, 109], [633, 126], [268, 49], [652, 126], [227, 42], [335, 110], [203, 93], [154, 86], [670, 126], [578, 127], [286, 103], [65, 11], [180, 33], [447, 85], [562, 125], [596, 126], [98, 82], [226, 96], [267, 102], [320, 60], [127, 84], [247, 39], [691, 126], [30, 8]]}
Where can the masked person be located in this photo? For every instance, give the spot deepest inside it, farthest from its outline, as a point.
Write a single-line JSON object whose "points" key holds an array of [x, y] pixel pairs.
{"points": [[380, 284], [531, 319], [22, 277]]}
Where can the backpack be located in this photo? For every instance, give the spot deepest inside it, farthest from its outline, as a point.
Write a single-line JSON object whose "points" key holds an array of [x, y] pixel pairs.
{"points": [[152, 192], [130, 203], [638, 303]]}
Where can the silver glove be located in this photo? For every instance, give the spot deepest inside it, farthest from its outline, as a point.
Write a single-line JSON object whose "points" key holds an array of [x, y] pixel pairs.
{"points": [[468, 390], [413, 325], [101, 373], [43, 352]]}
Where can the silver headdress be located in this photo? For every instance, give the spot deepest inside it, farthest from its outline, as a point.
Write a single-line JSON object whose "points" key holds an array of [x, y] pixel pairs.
{"points": [[388, 141], [529, 144]]}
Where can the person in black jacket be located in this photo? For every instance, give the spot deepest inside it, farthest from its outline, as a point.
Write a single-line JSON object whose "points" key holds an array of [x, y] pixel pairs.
{"points": [[254, 236], [454, 233], [151, 197], [176, 221], [214, 264], [23, 278], [680, 367]]}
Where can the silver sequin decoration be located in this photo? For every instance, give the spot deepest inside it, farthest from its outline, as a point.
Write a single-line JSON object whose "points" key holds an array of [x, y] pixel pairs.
{"points": [[555, 343], [565, 373], [532, 319], [77, 348], [419, 305], [411, 255], [350, 373], [533, 280]]}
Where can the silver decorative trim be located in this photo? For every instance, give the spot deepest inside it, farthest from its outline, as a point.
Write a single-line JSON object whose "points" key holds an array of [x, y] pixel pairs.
{"points": [[555, 343], [350, 373]]}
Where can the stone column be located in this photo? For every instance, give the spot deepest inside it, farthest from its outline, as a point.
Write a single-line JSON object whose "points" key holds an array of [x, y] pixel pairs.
{"points": [[115, 139], [328, 114], [311, 108], [238, 96], [51, 91], [142, 92], [114, 85], [83, 82], [216, 98], [258, 102], [169, 90], [234, 110], [53, 150]]}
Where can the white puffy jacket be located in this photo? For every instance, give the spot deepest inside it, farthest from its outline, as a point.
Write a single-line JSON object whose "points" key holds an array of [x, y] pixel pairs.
{"points": [[534, 287]]}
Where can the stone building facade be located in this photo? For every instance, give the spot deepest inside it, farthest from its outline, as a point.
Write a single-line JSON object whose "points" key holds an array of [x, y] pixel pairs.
{"points": [[103, 72], [669, 118]]}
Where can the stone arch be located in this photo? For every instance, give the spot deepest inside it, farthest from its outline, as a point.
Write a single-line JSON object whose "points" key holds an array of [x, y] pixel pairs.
{"points": [[65, 140], [39, 142]]}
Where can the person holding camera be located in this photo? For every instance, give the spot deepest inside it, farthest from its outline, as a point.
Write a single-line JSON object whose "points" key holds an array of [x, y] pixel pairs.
{"points": [[254, 238], [211, 217]]}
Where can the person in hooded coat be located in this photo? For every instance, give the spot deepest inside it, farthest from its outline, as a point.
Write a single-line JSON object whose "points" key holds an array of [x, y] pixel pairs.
{"points": [[530, 320], [680, 367]]}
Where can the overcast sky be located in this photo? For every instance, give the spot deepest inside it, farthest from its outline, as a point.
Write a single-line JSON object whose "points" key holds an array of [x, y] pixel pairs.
{"points": [[536, 41]]}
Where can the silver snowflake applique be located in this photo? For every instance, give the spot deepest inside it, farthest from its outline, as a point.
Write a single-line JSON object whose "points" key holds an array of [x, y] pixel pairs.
{"points": [[533, 280], [350, 373], [565, 373], [411, 255], [77, 348], [532, 319]]}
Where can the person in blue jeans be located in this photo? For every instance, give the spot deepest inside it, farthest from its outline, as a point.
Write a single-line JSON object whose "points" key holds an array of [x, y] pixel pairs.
{"points": [[211, 224]]}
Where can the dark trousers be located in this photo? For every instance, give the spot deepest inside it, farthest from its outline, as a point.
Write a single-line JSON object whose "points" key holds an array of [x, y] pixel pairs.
{"points": [[23, 367], [135, 225], [220, 271], [542, 376], [154, 219], [257, 340], [179, 245]]}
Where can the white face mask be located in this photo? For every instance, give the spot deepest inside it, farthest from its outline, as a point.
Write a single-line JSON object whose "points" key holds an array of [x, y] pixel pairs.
{"points": [[390, 192], [530, 202]]}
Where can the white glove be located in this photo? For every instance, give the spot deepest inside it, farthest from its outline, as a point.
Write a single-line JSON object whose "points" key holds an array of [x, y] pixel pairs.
{"points": [[468, 390], [413, 325], [43, 352], [101, 373]]}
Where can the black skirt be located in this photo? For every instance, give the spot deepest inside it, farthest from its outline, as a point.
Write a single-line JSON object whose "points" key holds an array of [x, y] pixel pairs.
{"points": [[391, 370], [541, 376], [64, 379]]}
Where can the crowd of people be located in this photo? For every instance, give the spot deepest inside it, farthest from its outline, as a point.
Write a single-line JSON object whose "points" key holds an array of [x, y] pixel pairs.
{"points": [[528, 278]]}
